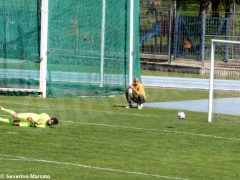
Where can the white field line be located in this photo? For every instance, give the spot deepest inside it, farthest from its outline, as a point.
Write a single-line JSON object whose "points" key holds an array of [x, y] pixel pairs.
{"points": [[126, 127], [159, 130], [21, 158], [59, 108]]}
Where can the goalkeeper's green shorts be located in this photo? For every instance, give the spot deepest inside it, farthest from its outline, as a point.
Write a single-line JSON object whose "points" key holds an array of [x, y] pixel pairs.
{"points": [[21, 123], [24, 124]]}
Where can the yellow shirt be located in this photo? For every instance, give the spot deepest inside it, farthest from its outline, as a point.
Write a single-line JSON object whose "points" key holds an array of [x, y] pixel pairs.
{"points": [[43, 120], [137, 87], [40, 118]]}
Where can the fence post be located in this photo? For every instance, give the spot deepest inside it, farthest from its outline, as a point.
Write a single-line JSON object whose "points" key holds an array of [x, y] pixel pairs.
{"points": [[170, 36], [203, 32], [44, 49], [226, 52], [131, 42], [102, 43], [176, 36]]}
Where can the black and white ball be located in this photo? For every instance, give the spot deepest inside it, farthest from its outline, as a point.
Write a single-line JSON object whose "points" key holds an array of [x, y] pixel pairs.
{"points": [[181, 115]]}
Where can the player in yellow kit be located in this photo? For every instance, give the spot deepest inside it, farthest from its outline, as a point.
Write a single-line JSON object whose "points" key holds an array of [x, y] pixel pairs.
{"points": [[136, 93], [28, 119]]}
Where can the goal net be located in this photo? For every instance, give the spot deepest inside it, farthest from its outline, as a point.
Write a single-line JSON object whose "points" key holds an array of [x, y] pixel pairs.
{"points": [[224, 89], [89, 46]]}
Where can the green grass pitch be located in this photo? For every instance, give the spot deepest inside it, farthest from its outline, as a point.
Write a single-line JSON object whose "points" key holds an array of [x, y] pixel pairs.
{"points": [[98, 138]]}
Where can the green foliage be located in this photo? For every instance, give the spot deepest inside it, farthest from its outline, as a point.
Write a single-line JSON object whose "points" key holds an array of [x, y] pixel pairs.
{"points": [[185, 4]]}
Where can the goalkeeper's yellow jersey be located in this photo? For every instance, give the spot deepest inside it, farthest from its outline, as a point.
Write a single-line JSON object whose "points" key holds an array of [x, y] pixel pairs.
{"points": [[137, 87], [39, 118]]}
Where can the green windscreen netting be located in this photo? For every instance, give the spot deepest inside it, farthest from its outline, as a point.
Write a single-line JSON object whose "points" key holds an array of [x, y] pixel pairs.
{"points": [[19, 44], [88, 46]]}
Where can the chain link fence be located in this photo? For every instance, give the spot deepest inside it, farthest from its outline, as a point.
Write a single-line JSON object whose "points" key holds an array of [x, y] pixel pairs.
{"points": [[182, 33]]}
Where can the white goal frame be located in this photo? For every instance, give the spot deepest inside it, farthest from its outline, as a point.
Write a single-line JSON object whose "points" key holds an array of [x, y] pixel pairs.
{"points": [[211, 80]]}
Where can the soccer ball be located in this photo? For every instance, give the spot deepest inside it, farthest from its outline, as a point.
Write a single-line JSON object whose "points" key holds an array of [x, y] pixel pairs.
{"points": [[181, 115]]}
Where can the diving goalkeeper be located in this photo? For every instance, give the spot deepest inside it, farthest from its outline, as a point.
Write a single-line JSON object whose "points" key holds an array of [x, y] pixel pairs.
{"points": [[28, 119]]}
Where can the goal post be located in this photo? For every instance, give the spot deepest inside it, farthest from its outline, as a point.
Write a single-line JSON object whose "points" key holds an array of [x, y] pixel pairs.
{"points": [[210, 99], [224, 81]]}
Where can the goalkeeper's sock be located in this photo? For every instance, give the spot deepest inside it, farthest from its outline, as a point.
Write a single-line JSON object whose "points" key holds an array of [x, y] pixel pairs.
{"points": [[9, 111], [4, 120]]}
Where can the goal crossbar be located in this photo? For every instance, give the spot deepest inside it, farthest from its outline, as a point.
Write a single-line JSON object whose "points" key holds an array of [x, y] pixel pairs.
{"points": [[225, 41]]}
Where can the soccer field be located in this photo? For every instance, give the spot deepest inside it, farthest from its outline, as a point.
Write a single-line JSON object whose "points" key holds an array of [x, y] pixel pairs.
{"points": [[98, 138]]}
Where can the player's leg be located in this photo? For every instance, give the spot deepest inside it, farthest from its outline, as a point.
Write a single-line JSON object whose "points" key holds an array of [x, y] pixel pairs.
{"points": [[140, 100], [14, 122], [8, 121], [20, 123], [129, 97], [9, 111], [4, 120]]}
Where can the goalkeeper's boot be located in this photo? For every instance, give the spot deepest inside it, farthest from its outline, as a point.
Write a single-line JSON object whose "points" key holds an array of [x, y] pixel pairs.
{"points": [[129, 106], [139, 106]]}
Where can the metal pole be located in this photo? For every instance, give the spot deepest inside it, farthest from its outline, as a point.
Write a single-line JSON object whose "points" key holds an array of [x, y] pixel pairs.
{"points": [[170, 36], [131, 40], [226, 52], [176, 36], [203, 36], [43, 49], [102, 42], [211, 83]]}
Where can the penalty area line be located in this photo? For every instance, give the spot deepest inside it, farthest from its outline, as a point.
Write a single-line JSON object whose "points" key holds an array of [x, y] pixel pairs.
{"points": [[60, 108], [159, 130], [21, 158]]}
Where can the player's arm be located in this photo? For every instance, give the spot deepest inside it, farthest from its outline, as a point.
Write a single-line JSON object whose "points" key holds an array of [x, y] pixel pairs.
{"points": [[41, 125], [15, 116], [131, 87], [138, 92], [31, 120]]}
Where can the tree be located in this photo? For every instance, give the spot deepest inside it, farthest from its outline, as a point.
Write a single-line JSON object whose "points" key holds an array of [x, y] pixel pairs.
{"points": [[229, 7], [217, 7], [211, 7], [205, 5]]}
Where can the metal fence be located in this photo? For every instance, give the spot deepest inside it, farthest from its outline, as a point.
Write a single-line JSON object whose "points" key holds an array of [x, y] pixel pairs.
{"points": [[154, 32], [179, 34], [154, 27]]}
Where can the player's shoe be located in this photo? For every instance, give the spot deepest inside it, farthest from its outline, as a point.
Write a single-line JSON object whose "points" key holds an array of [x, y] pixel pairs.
{"points": [[140, 106], [129, 106]]}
